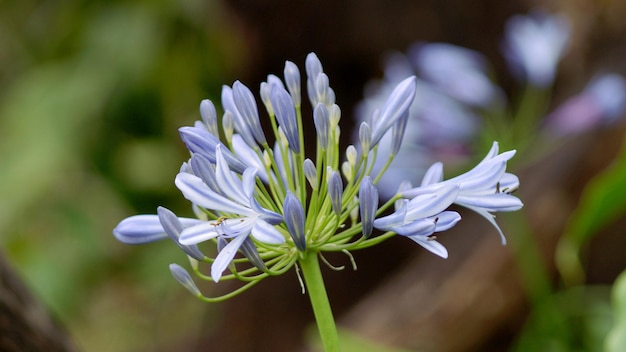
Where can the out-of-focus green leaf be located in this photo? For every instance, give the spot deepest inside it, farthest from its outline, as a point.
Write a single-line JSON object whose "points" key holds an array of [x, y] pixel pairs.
{"points": [[616, 340], [602, 201], [587, 315]]}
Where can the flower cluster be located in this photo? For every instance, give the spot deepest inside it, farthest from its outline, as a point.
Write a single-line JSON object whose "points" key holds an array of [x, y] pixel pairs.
{"points": [[266, 200], [456, 94]]}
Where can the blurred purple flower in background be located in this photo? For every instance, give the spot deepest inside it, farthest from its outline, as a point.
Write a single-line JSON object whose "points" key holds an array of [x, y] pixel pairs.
{"points": [[457, 101], [534, 45], [600, 103]]}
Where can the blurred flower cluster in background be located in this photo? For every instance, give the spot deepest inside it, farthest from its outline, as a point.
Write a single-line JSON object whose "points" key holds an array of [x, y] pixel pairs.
{"points": [[92, 94]]}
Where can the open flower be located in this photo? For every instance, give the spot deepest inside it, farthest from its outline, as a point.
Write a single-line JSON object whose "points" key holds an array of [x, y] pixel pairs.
{"points": [[241, 215], [484, 189]]}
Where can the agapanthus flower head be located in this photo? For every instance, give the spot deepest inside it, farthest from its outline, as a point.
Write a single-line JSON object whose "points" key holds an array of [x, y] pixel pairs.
{"points": [[262, 208]]}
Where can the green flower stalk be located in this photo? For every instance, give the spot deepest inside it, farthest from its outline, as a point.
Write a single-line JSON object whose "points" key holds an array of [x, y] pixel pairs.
{"points": [[265, 207]]}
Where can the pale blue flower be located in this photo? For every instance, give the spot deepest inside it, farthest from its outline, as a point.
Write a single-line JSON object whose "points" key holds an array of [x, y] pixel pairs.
{"points": [[242, 215], [423, 215], [459, 72], [484, 189], [534, 44]]}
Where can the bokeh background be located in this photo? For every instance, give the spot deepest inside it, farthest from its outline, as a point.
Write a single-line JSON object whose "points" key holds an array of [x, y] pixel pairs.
{"points": [[92, 94]]}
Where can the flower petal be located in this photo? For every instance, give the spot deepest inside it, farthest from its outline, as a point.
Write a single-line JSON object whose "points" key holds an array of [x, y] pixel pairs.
{"points": [[182, 276], [226, 256], [139, 229], [431, 245], [199, 233], [491, 202], [173, 227], [267, 233], [199, 193]]}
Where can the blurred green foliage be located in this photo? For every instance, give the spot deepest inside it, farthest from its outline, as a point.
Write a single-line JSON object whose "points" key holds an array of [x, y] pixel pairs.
{"points": [[91, 96]]}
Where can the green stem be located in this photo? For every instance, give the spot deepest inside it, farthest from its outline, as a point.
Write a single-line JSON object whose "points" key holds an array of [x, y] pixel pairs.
{"points": [[319, 301]]}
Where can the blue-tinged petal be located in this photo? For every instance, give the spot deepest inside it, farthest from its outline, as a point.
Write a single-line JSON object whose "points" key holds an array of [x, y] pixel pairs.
{"points": [[321, 121], [199, 193], [310, 172], [265, 214], [493, 151], [139, 229], [508, 183], [249, 157], [446, 220], [266, 233], [198, 233], [264, 92], [321, 84], [249, 250], [241, 126], [491, 202], [396, 105], [234, 227], [294, 219], [365, 136], [335, 190], [404, 185], [227, 181], [203, 168], [173, 227], [368, 204], [386, 223], [292, 79], [286, 116], [429, 205], [434, 174], [248, 180], [182, 276], [199, 140], [419, 227], [431, 245], [485, 180], [397, 132], [246, 105], [490, 217], [226, 256], [273, 79], [209, 116], [313, 66]]}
